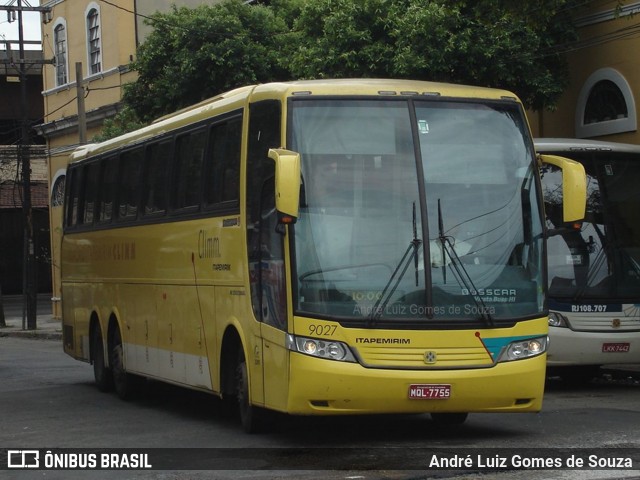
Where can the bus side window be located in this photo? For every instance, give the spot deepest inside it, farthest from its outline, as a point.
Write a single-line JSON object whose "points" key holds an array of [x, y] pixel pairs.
{"points": [[187, 178], [230, 171], [107, 190], [73, 197], [91, 189], [156, 177], [129, 185], [223, 169]]}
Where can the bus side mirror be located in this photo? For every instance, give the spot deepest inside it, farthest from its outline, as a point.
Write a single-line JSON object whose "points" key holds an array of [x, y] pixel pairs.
{"points": [[574, 187], [287, 184]]}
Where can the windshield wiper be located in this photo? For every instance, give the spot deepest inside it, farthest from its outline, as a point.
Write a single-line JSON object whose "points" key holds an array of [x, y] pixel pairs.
{"points": [[459, 271], [403, 265]]}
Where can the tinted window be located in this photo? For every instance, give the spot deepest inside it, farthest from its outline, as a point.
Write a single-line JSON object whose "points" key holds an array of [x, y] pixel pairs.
{"points": [[92, 178], [107, 190], [223, 171], [128, 191], [158, 162], [73, 196], [189, 159]]}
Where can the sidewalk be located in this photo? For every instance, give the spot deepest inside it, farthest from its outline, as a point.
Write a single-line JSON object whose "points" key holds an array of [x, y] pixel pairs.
{"points": [[47, 327]]}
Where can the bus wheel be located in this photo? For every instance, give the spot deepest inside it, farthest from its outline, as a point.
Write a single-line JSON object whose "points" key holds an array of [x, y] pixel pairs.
{"points": [[449, 419], [126, 385], [101, 373], [251, 417]]}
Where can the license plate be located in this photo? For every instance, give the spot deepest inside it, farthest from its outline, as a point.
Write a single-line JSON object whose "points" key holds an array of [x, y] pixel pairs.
{"points": [[429, 391], [616, 347]]}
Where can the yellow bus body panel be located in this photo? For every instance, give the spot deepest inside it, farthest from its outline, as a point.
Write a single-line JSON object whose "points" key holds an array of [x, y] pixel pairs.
{"points": [[172, 288]]}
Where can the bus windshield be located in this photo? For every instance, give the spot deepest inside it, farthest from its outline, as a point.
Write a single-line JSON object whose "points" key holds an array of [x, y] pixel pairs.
{"points": [[416, 210], [602, 259]]}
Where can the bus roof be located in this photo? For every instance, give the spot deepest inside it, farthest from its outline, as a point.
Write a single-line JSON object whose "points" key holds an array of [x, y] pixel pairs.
{"points": [[381, 87], [335, 87], [568, 145]]}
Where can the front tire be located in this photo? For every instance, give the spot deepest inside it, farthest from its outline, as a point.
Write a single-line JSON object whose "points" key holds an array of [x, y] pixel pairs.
{"points": [[252, 418]]}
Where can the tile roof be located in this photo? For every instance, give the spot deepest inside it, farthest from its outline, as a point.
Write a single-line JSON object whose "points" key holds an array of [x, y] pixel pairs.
{"points": [[11, 195]]}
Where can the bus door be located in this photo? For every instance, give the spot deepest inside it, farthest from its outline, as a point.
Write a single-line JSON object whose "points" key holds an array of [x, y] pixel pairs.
{"points": [[273, 301], [266, 259]]}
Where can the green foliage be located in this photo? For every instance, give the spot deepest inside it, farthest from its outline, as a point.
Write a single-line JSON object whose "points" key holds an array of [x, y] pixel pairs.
{"points": [[124, 121], [487, 43], [194, 54]]}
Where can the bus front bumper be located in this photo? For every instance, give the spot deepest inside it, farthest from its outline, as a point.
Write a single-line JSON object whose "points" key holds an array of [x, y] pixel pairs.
{"points": [[570, 348], [328, 387]]}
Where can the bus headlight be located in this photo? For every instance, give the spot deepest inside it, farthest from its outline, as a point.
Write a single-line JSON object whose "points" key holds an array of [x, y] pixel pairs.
{"points": [[329, 349], [524, 349], [556, 319]]}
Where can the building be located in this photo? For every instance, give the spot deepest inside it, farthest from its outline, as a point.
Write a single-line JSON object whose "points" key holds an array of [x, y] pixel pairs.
{"points": [[12, 217], [94, 41], [600, 102]]}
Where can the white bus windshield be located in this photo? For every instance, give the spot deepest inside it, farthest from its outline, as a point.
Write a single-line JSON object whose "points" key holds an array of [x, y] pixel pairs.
{"points": [[424, 216], [601, 261]]}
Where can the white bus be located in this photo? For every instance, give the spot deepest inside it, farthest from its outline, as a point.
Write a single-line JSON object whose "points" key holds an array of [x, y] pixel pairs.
{"points": [[594, 270]]}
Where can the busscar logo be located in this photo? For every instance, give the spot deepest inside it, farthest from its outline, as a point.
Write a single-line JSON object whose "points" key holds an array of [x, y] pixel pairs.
{"points": [[23, 459]]}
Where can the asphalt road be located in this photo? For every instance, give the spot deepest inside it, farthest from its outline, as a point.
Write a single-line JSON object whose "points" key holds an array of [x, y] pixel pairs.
{"points": [[49, 402]]}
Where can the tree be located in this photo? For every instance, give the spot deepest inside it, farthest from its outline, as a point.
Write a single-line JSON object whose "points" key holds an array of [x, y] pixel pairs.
{"points": [[496, 43], [193, 54], [124, 121], [196, 53]]}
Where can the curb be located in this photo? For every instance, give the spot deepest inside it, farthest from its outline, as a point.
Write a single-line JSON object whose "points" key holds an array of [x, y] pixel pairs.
{"points": [[32, 334]]}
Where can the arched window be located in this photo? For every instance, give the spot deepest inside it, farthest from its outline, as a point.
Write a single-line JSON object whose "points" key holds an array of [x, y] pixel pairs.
{"points": [[57, 189], [60, 53], [605, 105], [93, 40], [605, 102]]}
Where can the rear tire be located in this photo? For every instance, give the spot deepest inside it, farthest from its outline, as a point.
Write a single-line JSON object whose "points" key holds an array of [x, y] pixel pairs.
{"points": [[126, 385], [101, 373]]}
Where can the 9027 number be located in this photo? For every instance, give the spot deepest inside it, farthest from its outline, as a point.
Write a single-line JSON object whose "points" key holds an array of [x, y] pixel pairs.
{"points": [[322, 330]]}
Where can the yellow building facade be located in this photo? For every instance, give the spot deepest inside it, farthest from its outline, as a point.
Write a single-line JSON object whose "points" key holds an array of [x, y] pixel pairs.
{"points": [[94, 41], [600, 101]]}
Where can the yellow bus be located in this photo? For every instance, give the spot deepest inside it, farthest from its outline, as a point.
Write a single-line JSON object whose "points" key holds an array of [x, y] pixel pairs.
{"points": [[318, 248], [594, 272]]}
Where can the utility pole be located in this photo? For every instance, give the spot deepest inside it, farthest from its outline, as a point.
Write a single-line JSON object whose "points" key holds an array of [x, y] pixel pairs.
{"points": [[82, 116], [29, 283], [29, 286]]}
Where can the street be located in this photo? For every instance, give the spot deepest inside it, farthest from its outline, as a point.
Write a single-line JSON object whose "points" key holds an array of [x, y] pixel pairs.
{"points": [[49, 402]]}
